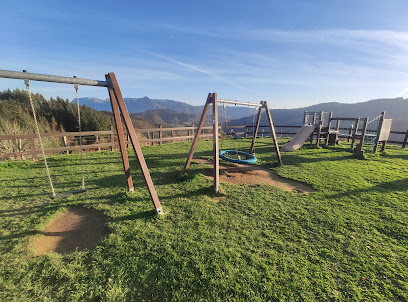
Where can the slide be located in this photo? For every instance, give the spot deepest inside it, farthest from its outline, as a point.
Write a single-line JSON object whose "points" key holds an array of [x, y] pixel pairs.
{"points": [[299, 138]]}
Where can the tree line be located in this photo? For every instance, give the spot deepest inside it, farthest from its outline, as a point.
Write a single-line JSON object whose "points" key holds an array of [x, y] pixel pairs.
{"points": [[53, 115]]}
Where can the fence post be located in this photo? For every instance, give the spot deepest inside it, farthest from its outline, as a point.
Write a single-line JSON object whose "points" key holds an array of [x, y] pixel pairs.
{"points": [[363, 133], [32, 145], [354, 135], [65, 142], [328, 127], [20, 147], [319, 131], [404, 144], [377, 139], [152, 138], [112, 136], [350, 132], [160, 134], [383, 146], [246, 131], [192, 131], [313, 123], [97, 142]]}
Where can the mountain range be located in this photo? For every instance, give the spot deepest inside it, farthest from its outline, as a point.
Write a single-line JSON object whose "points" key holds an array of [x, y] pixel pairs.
{"points": [[170, 112], [168, 117], [395, 108], [138, 105]]}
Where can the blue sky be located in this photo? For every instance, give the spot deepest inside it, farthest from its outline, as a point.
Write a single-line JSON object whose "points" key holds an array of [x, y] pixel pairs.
{"points": [[290, 53]]}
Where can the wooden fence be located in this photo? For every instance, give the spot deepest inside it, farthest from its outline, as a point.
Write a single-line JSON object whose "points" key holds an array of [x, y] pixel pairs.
{"points": [[102, 140], [26, 145]]}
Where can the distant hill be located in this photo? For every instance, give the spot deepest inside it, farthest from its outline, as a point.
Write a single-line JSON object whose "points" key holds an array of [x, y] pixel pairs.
{"points": [[168, 117], [138, 105], [138, 122], [395, 108]]}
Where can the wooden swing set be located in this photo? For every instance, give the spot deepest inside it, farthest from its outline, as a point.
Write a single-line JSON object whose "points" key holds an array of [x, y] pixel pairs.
{"points": [[213, 100], [120, 113]]}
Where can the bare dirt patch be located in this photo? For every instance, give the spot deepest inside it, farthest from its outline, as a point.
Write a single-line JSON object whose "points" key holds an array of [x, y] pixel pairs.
{"points": [[252, 174], [76, 229]]}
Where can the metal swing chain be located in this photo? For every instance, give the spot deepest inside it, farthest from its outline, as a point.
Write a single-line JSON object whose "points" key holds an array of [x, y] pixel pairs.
{"points": [[27, 83], [253, 127], [226, 122], [80, 137]]}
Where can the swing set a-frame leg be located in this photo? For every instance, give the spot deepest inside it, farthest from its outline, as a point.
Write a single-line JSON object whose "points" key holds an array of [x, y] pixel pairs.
{"points": [[118, 99], [255, 130], [216, 151], [273, 134], [197, 135], [121, 139]]}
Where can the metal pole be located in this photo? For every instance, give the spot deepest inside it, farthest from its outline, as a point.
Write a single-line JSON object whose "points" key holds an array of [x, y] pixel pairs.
{"points": [[255, 130], [239, 103], [51, 78]]}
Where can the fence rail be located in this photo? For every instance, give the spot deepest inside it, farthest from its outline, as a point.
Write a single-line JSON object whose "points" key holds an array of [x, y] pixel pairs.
{"points": [[107, 139], [25, 145]]}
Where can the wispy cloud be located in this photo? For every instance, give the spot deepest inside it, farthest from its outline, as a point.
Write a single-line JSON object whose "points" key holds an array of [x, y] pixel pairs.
{"points": [[402, 92], [192, 67], [326, 36]]}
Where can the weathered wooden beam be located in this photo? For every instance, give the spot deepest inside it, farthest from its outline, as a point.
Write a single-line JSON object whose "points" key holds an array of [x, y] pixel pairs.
{"points": [[197, 135], [135, 143], [216, 155]]}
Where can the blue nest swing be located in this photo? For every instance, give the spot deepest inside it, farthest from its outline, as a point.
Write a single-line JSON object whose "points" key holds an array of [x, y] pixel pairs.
{"points": [[238, 157]]}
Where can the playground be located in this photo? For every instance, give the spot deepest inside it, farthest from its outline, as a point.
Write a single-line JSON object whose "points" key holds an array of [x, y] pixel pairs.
{"points": [[345, 240], [215, 220]]}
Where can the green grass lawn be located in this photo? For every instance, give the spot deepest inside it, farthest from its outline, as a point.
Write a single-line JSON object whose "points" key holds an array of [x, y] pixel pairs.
{"points": [[348, 240]]}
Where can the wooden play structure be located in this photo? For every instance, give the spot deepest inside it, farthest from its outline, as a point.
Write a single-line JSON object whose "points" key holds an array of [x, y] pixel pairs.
{"points": [[369, 133], [213, 100], [120, 114]]}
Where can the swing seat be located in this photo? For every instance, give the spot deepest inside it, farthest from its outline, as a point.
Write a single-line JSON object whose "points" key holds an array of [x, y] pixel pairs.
{"points": [[229, 155], [69, 193]]}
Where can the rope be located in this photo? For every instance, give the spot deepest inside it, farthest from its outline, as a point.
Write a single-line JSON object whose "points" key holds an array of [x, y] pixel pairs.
{"points": [[27, 83], [80, 136]]}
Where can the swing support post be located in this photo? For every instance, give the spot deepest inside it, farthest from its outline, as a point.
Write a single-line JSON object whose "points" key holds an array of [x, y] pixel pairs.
{"points": [[216, 151], [121, 139], [197, 134], [120, 102], [256, 128]]}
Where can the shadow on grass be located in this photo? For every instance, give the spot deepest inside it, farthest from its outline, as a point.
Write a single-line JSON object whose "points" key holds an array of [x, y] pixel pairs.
{"points": [[147, 215], [395, 156], [400, 185], [56, 204]]}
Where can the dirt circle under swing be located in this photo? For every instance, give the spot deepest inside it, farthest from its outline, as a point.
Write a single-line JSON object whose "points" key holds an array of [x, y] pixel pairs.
{"points": [[76, 229], [251, 174]]}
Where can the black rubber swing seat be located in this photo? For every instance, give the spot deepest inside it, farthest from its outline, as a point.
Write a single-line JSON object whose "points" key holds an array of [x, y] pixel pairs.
{"points": [[69, 193], [238, 157]]}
